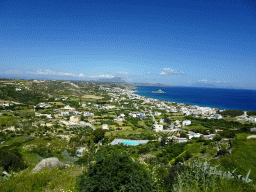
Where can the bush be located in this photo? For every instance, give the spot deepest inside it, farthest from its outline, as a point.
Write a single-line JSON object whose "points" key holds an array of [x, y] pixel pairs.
{"points": [[11, 161], [116, 172], [42, 151], [251, 113], [217, 138], [97, 134], [222, 152], [232, 112], [204, 149], [173, 173], [183, 157], [200, 139]]}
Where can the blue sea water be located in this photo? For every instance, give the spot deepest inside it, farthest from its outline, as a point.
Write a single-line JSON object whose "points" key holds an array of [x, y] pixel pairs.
{"points": [[240, 99]]}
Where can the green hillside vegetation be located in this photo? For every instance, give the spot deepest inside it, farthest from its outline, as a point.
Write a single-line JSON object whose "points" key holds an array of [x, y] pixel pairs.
{"points": [[162, 164], [232, 113], [242, 158]]}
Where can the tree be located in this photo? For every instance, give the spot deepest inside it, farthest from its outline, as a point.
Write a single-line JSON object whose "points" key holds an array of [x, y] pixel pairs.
{"points": [[163, 141], [183, 134], [116, 172], [98, 135], [82, 118], [11, 160], [232, 112], [251, 113]]}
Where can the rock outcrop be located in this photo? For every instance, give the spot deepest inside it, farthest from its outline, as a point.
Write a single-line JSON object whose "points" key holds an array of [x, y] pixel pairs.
{"points": [[51, 162]]}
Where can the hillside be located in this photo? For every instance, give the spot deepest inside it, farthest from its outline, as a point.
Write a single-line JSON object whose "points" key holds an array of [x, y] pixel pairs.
{"points": [[78, 122]]}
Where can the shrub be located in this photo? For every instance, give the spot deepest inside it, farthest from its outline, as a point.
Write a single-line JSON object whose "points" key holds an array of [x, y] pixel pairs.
{"points": [[183, 157], [98, 135], [204, 149], [116, 172], [217, 138], [222, 152], [173, 173], [11, 161], [43, 151]]}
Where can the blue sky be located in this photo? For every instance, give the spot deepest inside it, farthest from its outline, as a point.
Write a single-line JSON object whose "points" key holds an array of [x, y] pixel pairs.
{"points": [[182, 43]]}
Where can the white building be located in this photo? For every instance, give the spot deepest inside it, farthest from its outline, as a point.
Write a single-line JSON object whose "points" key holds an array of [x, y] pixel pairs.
{"points": [[157, 127], [122, 115], [253, 119], [65, 114], [44, 105], [156, 113], [179, 139], [186, 122], [49, 116], [161, 120], [211, 136], [105, 126], [68, 107], [217, 116], [87, 114], [119, 119], [191, 134]]}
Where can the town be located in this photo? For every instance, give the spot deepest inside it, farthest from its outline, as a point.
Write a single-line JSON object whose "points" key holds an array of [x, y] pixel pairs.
{"points": [[72, 124]]}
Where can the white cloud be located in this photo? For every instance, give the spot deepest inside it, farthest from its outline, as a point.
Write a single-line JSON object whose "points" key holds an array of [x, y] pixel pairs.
{"points": [[168, 71], [13, 72], [203, 80], [121, 74], [106, 76], [48, 72], [213, 82], [81, 75]]}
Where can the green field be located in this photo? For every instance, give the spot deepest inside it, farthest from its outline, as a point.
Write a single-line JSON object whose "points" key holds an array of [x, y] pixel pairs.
{"points": [[56, 103], [243, 157]]}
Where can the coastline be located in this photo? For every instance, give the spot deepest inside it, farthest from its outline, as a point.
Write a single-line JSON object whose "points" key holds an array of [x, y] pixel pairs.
{"points": [[221, 105], [133, 92]]}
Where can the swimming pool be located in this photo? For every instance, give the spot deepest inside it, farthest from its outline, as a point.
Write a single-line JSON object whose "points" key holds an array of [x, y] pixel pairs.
{"points": [[128, 142]]}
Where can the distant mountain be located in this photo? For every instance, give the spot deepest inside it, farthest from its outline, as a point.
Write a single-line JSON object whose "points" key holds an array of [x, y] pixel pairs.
{"points": [[112, 80], [150, 84]]}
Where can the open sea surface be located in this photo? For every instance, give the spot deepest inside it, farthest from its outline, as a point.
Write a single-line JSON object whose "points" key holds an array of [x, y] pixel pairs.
{"points": [[240, 99]]}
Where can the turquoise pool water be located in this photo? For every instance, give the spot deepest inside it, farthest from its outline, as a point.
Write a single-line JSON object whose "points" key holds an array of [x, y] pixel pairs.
{"points": [[130, 143]]}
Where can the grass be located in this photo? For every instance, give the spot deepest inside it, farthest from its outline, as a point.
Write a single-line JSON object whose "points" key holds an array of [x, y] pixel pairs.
{"points": [[56, 103], [141, 123], [194, 148], [16, 139], [243, 157], [92, 97], [194, 127], [47, 180], [9, 120], [56, 146], [200, 179], [128, 130]]}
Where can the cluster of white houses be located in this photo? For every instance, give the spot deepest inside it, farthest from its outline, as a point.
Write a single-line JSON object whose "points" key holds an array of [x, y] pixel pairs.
{"points": [[208, 112]]}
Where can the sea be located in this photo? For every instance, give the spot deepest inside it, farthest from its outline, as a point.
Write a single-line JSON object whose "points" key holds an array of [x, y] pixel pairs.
{"points": [[239, 99]]}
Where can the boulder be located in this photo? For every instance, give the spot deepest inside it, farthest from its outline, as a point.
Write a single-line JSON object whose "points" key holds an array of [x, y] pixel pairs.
{"points": [[51, 162]]}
